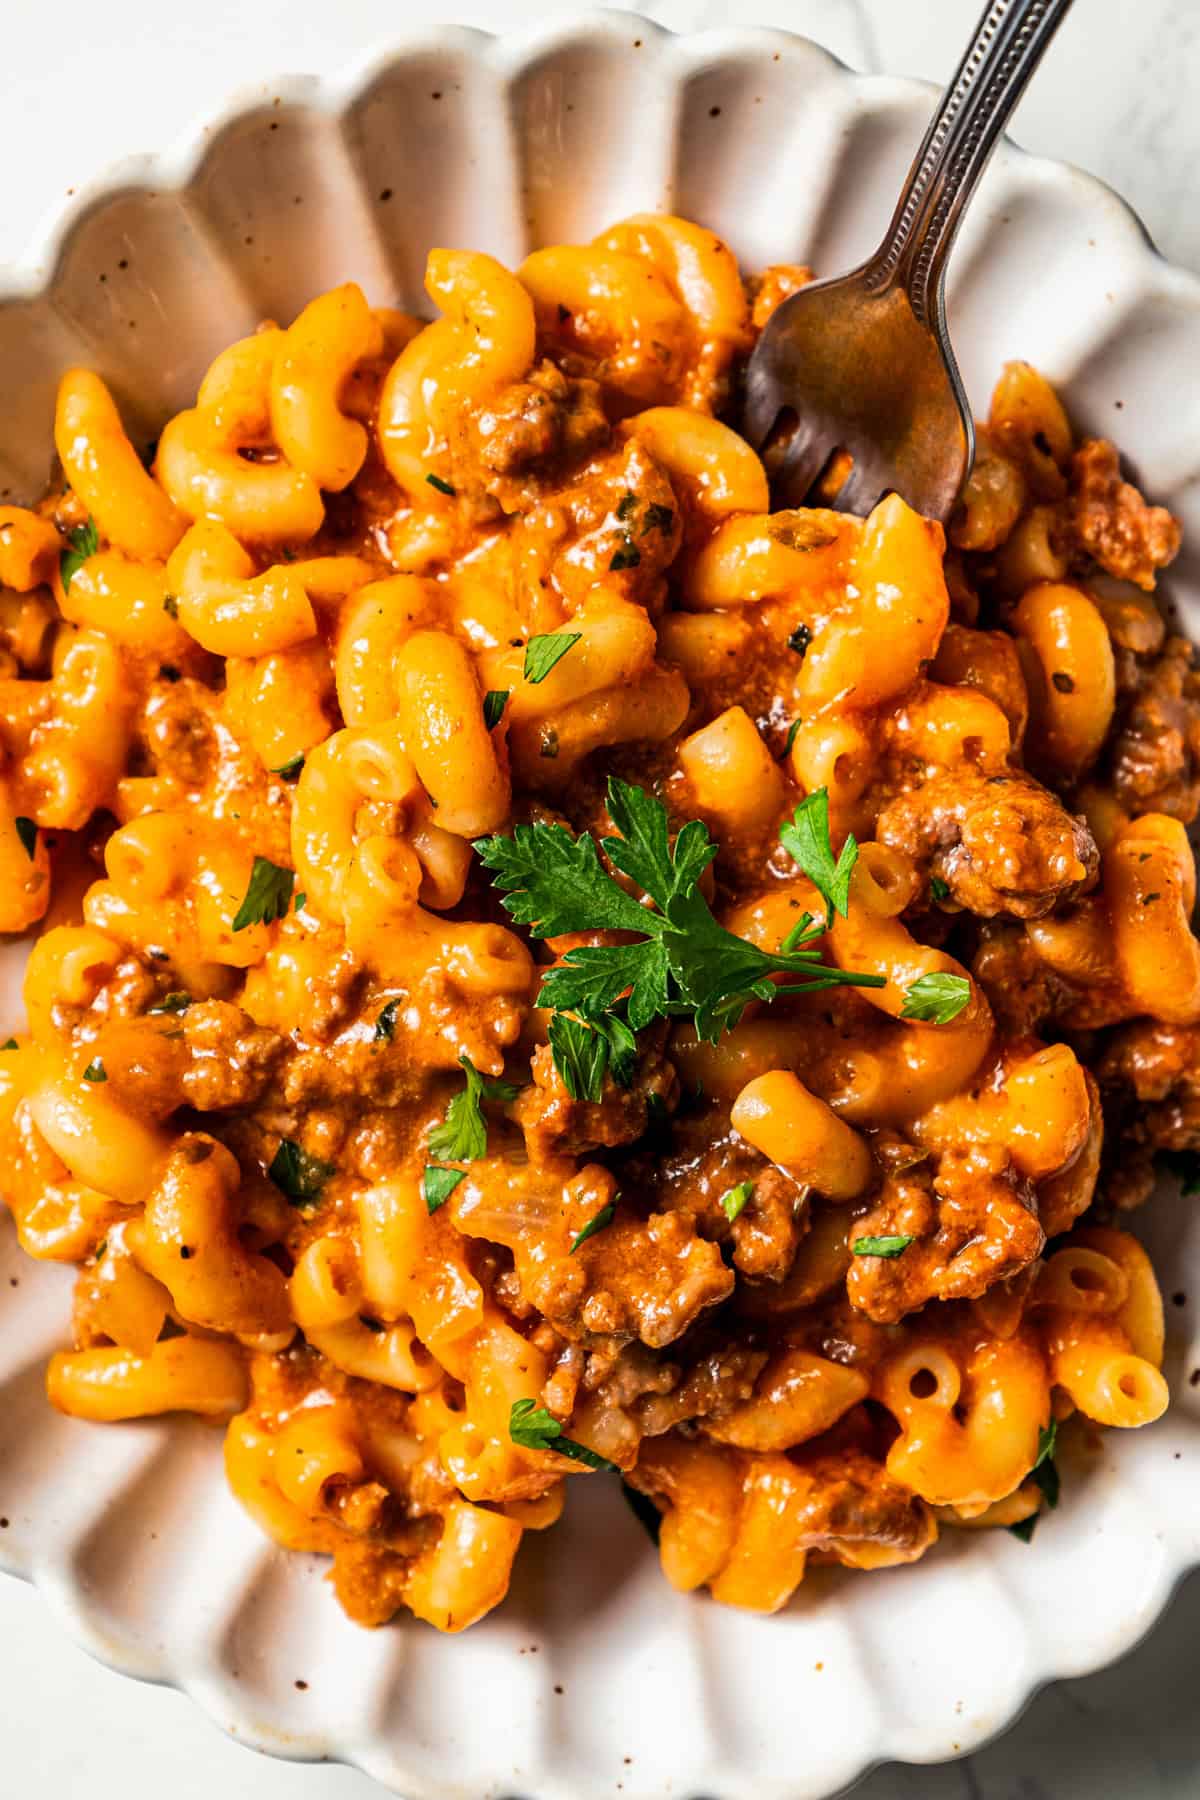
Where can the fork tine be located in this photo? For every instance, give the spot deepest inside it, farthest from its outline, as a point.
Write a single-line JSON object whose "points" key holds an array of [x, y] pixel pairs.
{"points": [[760, 409], [805, 457], [859, 492]]}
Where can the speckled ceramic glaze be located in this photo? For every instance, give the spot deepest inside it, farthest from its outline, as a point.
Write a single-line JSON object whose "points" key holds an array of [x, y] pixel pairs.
{"points": [[594, 1678]]}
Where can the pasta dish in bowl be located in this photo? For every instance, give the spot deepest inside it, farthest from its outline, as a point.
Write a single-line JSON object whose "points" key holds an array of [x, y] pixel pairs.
{"points": [[548, 970]]}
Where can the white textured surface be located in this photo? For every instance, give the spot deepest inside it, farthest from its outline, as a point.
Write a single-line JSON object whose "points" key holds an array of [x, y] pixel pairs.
{"points": [[132, 1602]]}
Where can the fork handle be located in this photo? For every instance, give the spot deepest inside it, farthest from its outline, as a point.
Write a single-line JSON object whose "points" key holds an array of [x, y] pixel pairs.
{"points": [[1008, 45]]}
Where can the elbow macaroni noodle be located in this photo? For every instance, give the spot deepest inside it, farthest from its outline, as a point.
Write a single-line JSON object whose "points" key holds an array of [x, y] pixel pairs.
{"points": [[817, 1288]]}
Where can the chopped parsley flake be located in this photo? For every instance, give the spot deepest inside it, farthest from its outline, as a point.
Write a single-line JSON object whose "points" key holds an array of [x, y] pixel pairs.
{"points": [[176, 1002], [438, 1184], [533, 1428], [882, 1246], [494, 703], [297, 1174], [385, 1024], [936, 998], [597, 1223], [625, 556], [83, 541], [1045, 1470], [463, 1134], [267, 897], [541, 653], [733, 1200]]}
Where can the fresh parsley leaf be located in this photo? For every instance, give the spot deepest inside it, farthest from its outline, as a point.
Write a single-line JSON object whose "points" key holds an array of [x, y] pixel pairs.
{"points": [[733, 1200], [171, 605], [580, 1056], [95, 1071], [84, 541], [1025, 1528], [176, 1002], [267, 897], [438, 1184], [297, 1174], [800, 639], [686, 964], [597, 1223], [622, 1048], [626, 506], [1185, 1166], [290, 770], [657, 518], [10, 1044], [882, 1246], [541, 653], [462, 1135], [554, 882], [533, 1428], [385, 1024], [625, 556], [938, 888], [585, 1051], [643, 1510], [301, 902], [936, 998], [494, 703], [27, 832], [443, 487], [790, 739], [591, 979], [806, 839], [802, 932], [644, 852]]}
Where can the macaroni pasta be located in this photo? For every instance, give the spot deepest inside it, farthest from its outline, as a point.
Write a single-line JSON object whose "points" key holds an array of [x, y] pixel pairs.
{"points": [[770, 1153]]}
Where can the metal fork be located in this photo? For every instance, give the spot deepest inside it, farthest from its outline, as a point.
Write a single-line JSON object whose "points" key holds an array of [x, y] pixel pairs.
{"points": [[863, 364]]}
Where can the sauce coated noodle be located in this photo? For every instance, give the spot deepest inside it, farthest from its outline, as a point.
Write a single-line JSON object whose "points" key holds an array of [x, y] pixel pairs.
{"points": [[287, 1098]]}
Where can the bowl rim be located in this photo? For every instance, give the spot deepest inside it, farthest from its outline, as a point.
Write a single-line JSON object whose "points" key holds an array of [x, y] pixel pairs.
{"points": [[34, 271], [33, 274]]}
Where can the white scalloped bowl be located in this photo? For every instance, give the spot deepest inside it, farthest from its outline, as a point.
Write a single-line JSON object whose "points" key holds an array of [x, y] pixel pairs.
{"points": [[594, 1676]]}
